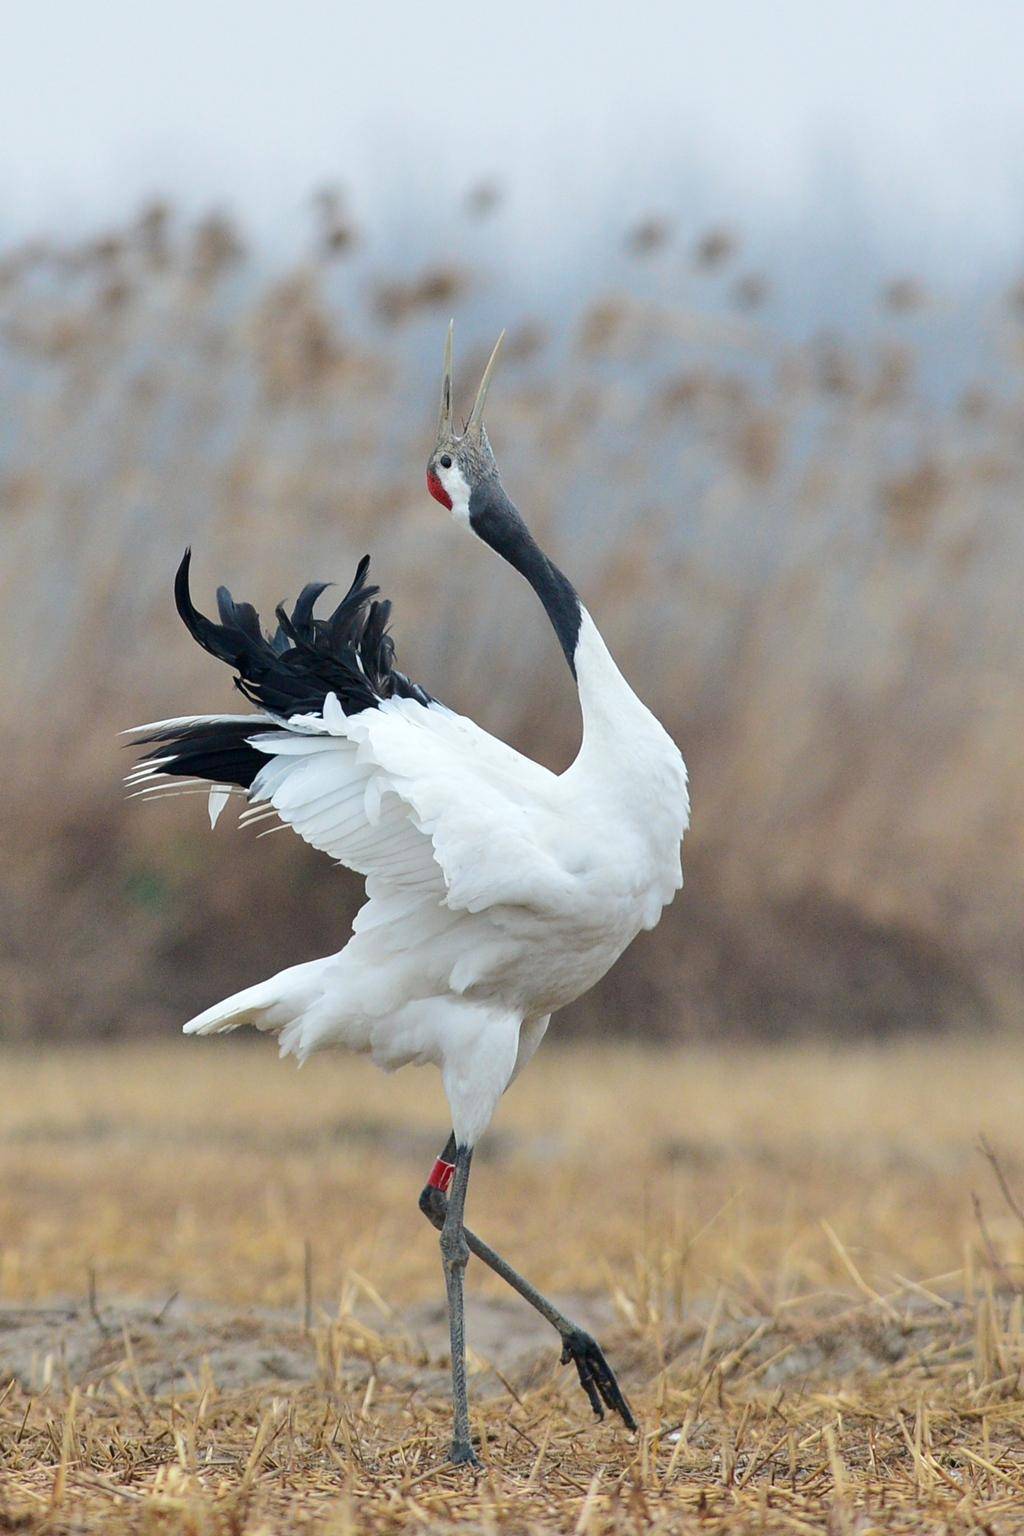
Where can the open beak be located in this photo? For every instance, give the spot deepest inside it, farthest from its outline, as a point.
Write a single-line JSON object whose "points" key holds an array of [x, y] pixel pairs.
{"points": [[476, 419], [444, 419], [475, 425]]}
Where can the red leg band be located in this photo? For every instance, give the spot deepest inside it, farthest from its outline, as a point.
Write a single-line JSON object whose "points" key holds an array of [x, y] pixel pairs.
{"points": [[441, 1175]]}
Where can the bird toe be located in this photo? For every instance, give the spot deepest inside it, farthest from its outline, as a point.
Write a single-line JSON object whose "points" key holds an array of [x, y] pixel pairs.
{"points": [[463, 1455]]}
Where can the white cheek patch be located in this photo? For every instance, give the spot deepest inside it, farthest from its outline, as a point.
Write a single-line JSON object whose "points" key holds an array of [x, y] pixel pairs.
{"points": [[455, 483]]}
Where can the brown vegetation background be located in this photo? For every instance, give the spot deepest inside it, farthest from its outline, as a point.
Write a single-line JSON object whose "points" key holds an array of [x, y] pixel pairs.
{"points": [[806, 556]]}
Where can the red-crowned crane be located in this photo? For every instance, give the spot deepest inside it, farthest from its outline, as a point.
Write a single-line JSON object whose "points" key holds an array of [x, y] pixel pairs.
{"points": [[497, 891]]}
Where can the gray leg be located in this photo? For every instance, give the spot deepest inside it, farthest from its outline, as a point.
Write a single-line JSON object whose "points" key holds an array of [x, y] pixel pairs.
{"points": [[596, 1376], [455, 1256]]}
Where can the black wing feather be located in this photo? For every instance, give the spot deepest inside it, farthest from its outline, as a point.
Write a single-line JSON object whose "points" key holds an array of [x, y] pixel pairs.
{"points": [[302, 613], [291, 672]]}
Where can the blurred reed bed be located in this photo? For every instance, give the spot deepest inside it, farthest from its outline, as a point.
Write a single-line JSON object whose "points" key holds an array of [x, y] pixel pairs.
{"points": [[807, 559]]}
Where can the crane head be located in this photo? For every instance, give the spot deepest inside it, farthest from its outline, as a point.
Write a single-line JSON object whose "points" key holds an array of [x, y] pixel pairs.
{"points": [[458, 463]]}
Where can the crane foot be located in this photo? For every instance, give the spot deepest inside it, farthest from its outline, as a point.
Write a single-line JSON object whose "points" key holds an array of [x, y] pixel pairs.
{"points": [[463, 1455], [596, 1376]]}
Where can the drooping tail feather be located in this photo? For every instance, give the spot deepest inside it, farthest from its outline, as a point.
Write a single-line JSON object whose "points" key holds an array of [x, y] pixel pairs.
{"points": [[270, 1006]]}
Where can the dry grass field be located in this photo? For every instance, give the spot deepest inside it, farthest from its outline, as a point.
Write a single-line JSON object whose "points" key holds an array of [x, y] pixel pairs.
{"points": [[800, 1261]]}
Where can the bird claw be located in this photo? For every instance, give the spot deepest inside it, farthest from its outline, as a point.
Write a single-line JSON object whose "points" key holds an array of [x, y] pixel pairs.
{"points": [[463, 1455], [596, 1376]]}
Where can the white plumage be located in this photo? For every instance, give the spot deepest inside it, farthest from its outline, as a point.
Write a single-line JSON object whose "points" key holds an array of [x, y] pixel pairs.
{"points": [[498, 891]]}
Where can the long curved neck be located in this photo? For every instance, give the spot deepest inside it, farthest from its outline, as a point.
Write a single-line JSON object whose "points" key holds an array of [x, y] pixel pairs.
{"points": [[494, 519], [617, 727]]}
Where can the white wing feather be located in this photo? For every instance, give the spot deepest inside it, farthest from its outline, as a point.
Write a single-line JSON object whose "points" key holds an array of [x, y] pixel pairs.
{"points": [[416, 799]]}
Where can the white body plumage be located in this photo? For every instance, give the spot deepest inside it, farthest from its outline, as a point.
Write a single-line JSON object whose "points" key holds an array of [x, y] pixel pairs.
{"points": [[498, 891]]}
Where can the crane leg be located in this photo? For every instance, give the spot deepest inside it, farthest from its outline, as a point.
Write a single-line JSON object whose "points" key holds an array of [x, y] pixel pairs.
{"points": [[455, 1257], [596, 1376]]}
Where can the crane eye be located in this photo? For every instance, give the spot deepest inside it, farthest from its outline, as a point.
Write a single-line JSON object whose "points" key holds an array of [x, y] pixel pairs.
{"points": [[445, 461]]}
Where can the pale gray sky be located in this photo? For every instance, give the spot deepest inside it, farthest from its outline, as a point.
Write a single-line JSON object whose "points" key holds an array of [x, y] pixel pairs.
{"points": [[917, 102]]}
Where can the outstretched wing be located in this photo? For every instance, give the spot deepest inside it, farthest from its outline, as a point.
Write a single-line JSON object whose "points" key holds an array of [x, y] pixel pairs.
{"points": [[291, 672], [360, 762], [415, 797], [409, 795]]}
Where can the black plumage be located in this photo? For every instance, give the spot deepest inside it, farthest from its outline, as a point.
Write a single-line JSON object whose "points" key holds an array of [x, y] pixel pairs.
{"points": [[217, 750], [291, 672]]}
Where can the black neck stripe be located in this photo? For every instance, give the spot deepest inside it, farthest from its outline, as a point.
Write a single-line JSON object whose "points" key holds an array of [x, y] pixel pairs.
{"points": [[494, 519]]}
